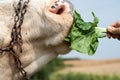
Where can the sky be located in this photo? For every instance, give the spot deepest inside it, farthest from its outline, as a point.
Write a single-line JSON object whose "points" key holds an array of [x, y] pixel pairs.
{"points": [[108, 11]]}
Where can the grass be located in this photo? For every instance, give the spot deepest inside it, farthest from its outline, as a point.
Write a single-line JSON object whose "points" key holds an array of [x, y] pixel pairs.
{"points": [[82, 76], [49, 69]]}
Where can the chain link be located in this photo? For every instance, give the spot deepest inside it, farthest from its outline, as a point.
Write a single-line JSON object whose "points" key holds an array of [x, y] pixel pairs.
{"points": [[16, 37]]}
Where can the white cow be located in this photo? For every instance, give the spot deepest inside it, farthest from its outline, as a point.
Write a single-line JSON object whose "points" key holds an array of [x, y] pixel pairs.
{"points": [[46, 24]]}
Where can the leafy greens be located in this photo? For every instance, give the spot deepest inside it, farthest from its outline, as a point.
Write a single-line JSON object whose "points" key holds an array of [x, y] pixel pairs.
{"points": [[83, 36]]}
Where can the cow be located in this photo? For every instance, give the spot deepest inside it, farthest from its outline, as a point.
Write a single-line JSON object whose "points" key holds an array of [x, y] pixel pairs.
{"points": [[46, 23]]}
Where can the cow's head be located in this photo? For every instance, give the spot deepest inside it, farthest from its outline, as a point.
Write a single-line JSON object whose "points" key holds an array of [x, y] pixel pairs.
{"points": [[46, 24], [51, 20]]}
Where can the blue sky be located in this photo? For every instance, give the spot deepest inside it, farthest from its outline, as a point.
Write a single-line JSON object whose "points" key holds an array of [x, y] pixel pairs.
{"points": [[108, 11]]}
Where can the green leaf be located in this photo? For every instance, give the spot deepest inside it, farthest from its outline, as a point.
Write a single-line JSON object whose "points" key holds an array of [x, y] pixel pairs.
{"points": [[83, 36]]}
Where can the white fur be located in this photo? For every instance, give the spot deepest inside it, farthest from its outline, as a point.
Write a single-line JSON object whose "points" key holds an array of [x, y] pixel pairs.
{"points": [[43, 36]]}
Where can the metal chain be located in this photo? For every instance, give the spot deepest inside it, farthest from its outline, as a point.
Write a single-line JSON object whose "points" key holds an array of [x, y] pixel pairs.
{"points": [[16, 37]]}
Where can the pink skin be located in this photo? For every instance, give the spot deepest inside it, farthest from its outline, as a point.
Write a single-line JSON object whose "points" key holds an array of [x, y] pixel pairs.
{"points": [[64, 7], [114, 30]]}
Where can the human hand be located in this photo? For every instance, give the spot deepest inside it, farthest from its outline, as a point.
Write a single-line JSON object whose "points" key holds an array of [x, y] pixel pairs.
{"points": [[114, 30]]}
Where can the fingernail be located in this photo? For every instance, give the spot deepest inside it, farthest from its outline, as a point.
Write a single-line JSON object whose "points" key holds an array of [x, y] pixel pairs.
{"points": [[109, 27]]}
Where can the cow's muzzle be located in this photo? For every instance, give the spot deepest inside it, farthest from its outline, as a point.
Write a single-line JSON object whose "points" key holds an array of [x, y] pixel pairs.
{"points": [[60, 7]]}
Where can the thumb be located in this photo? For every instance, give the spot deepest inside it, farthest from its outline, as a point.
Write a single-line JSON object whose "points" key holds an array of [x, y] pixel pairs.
{"points": [[113, 30]]}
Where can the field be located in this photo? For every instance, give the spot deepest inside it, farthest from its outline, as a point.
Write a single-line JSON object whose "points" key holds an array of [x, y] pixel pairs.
{"points": [[74, 69], [92, 66]]}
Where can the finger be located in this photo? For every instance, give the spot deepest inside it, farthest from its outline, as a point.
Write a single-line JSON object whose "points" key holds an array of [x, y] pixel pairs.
{"points": [[115, 36], [108, 35], [119, 38], [113, 30], [116, 24]]}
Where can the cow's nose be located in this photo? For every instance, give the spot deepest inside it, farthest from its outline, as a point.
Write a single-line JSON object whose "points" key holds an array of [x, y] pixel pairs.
{"points": [[60, 7]]}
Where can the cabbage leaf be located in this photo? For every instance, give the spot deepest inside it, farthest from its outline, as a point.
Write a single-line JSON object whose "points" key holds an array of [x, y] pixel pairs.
{"points": [[83, 36]]}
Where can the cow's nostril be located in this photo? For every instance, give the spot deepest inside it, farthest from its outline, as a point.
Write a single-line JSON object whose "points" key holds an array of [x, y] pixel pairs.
{"points": [[52, 7]]}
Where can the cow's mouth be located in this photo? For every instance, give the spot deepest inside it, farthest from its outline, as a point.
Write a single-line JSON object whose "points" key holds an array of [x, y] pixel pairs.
{"points": [[60, 11]]}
